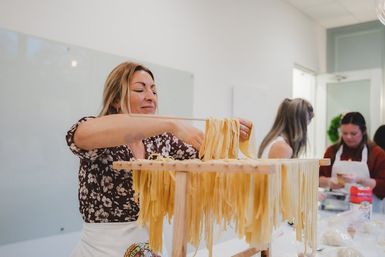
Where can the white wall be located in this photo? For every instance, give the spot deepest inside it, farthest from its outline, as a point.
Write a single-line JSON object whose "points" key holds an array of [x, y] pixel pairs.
{"points": [[224, 43]]}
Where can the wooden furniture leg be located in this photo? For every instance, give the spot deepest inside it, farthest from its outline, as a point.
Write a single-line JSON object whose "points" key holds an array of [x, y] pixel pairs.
{"points": [[179, 245], [247, 253], [253, 251], [266, 252]]}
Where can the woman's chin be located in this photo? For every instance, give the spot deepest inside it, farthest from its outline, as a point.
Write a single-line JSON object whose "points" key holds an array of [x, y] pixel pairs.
{"points": [[148, 111], [351, 145]]}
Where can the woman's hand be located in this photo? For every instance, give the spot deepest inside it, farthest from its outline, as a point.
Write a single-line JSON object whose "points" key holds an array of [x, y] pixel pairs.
{"points": [[349, 178], [245, 129], [367, 182], [333, 184], [321, 196], [329, 182], [188, 134]]}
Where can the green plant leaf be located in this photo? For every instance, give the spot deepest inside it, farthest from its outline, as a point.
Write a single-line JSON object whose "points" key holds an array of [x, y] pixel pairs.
{"points": [[332, 131]]}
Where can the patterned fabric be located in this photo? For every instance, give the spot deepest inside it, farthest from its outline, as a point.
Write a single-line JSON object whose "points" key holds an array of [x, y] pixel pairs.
{"points": [[106, 195], [140, 250]]}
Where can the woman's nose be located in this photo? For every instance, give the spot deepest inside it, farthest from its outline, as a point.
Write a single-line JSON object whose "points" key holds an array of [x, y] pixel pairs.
{"points": [[150, 95]]}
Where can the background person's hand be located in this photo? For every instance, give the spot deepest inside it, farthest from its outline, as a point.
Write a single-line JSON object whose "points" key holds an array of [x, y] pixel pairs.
{"points": [[333, 184], [349, 178], [321, 196], [367, 182], [245, 129], [188, 134]]}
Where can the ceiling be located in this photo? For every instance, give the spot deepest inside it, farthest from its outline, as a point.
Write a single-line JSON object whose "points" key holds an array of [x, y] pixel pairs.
{"points": [[336, 13]]}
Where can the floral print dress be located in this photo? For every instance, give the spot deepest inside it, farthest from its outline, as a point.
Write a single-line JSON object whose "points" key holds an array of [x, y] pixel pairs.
{"points": [[105, 194]]}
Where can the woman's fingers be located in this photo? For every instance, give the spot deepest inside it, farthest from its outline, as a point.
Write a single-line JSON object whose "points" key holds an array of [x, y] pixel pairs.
{"points": [[349, 178], [245, 129], [244, 135]]}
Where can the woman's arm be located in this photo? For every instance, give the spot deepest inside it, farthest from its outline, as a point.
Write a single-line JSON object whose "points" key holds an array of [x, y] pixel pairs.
{"points": [[329, 182], [325, 172], [120, 129], [377, 172], [367, 182]]}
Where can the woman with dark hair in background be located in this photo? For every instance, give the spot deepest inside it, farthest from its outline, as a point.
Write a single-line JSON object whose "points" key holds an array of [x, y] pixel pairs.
{"points": [[379, 137], [357, 158]]}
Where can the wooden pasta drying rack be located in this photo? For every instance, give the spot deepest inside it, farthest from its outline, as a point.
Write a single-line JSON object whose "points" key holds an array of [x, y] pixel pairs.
{"points": [[179, 244]]}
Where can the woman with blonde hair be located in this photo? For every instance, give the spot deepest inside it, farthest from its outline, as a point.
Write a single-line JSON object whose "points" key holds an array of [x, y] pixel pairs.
{"points": [[106, 196], [288, 136]]}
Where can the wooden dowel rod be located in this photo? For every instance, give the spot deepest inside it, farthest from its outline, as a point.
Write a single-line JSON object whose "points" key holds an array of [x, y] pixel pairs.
{"points": [[194, 166], [165, 117]]}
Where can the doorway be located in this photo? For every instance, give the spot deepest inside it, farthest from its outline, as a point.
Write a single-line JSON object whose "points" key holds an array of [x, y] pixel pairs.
{"points": [[304, 86], [345, 92]]}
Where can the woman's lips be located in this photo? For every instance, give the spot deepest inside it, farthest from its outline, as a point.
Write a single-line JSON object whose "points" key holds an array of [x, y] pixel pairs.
{"points": [[148, 109]]}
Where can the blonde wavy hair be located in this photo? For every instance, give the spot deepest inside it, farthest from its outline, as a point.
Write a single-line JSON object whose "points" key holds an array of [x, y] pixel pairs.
{"points": [[116, 94], [291, 123]]}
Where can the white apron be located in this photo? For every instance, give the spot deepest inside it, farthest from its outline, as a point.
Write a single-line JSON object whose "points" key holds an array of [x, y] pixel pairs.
{"points": [[108, 239], [358, 168]]}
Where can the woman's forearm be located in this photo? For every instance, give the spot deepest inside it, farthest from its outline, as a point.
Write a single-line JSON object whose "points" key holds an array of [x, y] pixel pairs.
{"points": [[118, 129], [324, 181]]}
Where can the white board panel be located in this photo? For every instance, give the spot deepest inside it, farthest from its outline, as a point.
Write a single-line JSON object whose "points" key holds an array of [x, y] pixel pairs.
{"points": [[42, 93], [258, 105]]}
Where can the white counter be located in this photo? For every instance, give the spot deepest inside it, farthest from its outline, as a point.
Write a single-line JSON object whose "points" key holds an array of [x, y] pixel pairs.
{"points": [[285, 245]]}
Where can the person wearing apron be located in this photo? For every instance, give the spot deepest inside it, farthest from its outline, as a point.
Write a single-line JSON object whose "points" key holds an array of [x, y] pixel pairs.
{"points": [[106, 196], [357, 160]]}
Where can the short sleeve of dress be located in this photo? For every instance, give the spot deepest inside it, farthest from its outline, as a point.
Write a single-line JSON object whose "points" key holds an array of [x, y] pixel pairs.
{"points": [[181, 150], [81, 153]]}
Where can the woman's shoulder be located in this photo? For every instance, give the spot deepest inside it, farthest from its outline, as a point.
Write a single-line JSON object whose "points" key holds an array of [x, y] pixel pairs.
{"points": [[333, 148], [375, 149], [279, 139], [280, 149], [76, 124]]}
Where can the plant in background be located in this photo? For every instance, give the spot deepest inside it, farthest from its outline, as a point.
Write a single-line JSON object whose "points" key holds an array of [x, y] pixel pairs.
{"points": [[333, 133]]}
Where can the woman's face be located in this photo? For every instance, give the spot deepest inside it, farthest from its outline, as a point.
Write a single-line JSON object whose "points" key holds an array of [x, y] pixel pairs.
{"points": [[351, 134], [143, 96]]}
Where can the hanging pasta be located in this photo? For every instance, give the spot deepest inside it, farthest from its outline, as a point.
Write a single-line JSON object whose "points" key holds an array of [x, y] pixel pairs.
{"points": [[218, 193], [299, 199], [155, 193], [256, 203]]}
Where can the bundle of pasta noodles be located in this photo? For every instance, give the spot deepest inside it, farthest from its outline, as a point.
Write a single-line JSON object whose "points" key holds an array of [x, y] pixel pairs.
{"points": [[222, 197], [304, 199], [256, 203], [155, 193]]}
